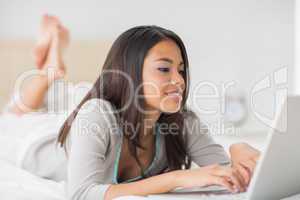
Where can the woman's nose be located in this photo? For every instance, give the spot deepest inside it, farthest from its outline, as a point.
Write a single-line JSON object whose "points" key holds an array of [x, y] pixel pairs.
{"points": [[177, 79]]}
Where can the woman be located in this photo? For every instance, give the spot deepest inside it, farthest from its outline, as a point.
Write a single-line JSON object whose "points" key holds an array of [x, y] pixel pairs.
{"points": [[132, 133]]}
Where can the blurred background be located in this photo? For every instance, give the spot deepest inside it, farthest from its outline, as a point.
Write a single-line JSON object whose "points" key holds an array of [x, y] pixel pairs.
{"points": [[233, 42]]}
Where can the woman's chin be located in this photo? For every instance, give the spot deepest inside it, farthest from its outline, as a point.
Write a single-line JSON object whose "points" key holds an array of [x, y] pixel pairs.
{"points": [[171, 108]]}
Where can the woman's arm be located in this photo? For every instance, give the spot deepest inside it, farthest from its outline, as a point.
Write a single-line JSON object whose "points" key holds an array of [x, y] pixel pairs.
{"points": [[154, 185], [201, 147], [204, 176]]}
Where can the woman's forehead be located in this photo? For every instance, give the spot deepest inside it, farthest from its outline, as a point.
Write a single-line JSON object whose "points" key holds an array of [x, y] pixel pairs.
{"points": [[167, 51]]}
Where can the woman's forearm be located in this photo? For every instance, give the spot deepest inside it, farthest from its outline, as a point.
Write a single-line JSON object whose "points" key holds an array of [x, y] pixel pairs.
{"points": [[153, 185]]}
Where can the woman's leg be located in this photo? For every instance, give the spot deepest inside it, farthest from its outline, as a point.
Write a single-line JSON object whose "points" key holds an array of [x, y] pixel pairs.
{"points": [[48, 52]]}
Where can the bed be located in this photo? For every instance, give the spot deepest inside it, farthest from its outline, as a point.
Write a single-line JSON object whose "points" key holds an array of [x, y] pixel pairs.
{"points": [[84, 59], [18, 184]]}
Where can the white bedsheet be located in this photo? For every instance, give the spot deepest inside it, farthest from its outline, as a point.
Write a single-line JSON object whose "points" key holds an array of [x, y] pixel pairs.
{"points": [[18, 184]]}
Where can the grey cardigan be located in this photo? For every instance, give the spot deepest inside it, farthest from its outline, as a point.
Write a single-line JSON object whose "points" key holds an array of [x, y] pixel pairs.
{"points": [[94, 146]]}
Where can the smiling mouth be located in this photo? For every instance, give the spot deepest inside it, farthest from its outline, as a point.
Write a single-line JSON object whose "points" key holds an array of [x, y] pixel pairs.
{"points": [[173, 93], [176, 95]]}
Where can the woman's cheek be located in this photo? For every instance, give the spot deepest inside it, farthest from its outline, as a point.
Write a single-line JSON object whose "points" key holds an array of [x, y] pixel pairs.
{"points": [[152, 95]]}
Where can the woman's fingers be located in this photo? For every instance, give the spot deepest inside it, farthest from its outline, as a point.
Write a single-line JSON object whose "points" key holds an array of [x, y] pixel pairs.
{"points": [[217, 180], [241, 179], [244, 173], [238, 180], [249, 164], [229, 173]]}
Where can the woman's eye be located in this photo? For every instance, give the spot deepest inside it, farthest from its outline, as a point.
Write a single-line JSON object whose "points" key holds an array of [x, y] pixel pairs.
{"points": [[164, 69], [181, 72]]}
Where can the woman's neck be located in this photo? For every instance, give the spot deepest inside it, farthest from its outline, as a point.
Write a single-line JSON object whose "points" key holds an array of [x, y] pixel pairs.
{"points": [[149, 123]]}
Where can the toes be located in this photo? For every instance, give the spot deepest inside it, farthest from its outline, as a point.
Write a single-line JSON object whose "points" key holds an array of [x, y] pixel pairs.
{"points": [[48, 28], [54, 39]]}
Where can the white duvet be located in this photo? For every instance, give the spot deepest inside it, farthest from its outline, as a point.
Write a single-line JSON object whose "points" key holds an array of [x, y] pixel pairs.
{"points": [[16, 137], [18, 184]]}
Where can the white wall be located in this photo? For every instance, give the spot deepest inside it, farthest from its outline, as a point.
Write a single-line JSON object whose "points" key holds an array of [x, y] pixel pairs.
{"points": [[226, 40], [296, 80]]}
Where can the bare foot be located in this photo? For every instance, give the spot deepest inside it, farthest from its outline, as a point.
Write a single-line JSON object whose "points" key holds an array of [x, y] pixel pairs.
{"points": [[55, 60], [44, 39], [53, 40]]}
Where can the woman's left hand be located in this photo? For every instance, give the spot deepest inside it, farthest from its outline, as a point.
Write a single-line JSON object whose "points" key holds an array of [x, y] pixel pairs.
{"points": [[244, 159]]}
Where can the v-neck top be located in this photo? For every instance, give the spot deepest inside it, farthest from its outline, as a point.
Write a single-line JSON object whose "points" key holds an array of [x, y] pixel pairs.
{"points": [[148, 169], [94, 147]]}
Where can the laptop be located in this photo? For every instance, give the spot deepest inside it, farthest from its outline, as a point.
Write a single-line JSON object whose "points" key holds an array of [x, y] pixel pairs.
{"points": [[277, 173]]}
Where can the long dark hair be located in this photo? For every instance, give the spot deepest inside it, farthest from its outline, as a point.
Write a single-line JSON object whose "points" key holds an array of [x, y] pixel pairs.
{"points": [[127, 56]]}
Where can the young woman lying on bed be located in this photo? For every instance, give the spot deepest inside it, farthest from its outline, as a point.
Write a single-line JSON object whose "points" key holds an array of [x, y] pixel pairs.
{"points": [[132, 134]]}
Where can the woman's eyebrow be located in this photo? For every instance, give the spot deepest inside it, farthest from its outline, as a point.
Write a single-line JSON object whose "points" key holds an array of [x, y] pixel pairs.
{"points": [[168, 60]]}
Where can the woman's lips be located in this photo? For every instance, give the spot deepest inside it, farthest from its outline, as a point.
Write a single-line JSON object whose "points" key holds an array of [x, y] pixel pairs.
{"points": [[176, 96]]}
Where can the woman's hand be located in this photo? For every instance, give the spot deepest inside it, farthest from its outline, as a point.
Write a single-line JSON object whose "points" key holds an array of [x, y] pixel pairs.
{"points": [[244, 159], [211, 175]]}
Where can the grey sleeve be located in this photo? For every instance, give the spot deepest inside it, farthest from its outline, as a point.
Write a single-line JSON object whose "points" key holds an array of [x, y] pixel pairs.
{"points": [[201, 147], [87, 151]]}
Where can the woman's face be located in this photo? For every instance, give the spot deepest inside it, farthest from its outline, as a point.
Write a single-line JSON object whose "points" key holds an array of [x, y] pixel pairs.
{"points": [[163, 82]]}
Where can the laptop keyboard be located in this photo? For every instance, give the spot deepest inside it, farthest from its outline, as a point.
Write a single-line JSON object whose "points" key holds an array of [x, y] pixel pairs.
{"points": [[240, 196]]}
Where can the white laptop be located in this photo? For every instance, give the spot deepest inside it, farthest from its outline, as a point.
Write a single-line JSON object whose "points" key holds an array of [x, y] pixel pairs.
{"points": [[277, 173]]}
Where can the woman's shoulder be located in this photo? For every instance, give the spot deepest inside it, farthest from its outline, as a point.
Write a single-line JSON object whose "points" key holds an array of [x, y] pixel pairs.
{"points": [[98, 112], [97, 104], [192, 121], [190, 116], [95, 118]]}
